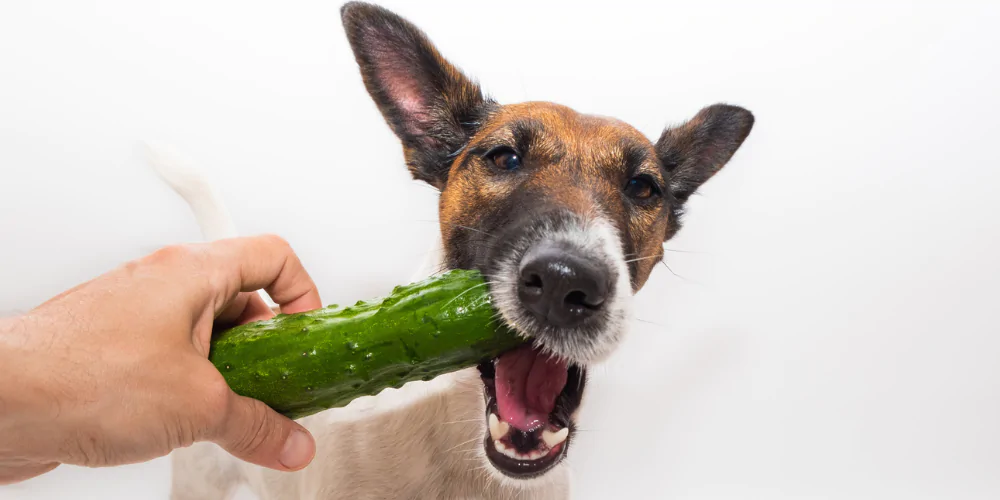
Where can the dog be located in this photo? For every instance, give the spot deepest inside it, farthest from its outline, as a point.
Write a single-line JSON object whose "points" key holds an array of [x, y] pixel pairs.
{"points": [[564, 213]]}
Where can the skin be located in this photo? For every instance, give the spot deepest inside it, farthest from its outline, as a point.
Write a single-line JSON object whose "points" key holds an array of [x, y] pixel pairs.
{"points": [[115, 371]]}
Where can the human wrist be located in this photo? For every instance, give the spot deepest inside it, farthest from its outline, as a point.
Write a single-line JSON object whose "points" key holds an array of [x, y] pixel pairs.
{"points": [[19, 373], [9, 328], [11, 336]]}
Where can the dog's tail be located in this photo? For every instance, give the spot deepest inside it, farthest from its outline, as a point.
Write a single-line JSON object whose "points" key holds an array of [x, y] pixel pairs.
{"points": [[213, 217]]}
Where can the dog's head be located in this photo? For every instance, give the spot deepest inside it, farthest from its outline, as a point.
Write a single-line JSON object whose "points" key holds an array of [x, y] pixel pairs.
{"points": [[564, 213]]}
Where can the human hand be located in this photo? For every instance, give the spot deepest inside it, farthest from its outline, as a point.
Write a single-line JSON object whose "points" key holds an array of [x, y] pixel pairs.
{"points": [[115, 371]]}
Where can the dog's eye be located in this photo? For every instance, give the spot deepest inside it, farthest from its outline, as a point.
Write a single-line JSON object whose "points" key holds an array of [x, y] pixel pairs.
{"points": [[504, 158], [641, 187]]}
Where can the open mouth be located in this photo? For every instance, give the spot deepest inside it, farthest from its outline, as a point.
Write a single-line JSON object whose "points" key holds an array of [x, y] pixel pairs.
{"points": [[530, 400]]}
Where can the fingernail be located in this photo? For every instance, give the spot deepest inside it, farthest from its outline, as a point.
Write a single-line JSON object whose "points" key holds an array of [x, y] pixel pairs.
{"points": [[298, 450]]}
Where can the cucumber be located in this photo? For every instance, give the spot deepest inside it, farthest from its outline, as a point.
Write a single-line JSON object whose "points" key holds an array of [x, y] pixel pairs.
{"points": [[301, 364]]}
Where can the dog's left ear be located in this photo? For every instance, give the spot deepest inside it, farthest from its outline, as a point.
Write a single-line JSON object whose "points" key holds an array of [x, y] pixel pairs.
{"points": [[693, 152], [431, 106]]}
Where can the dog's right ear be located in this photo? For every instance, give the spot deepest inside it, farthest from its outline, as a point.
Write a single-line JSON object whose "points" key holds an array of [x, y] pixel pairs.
{"points": [[431, 106]]}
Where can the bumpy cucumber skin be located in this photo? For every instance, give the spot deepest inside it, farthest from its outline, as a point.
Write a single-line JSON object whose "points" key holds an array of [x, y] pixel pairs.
{"points": [[301, 364]]}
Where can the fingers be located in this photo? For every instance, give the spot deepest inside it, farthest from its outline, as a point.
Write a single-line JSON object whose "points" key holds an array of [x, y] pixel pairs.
{"points": [[247, 307], [257, 434], [234, 310], [250, 430], [256, 310], [268, 262]]}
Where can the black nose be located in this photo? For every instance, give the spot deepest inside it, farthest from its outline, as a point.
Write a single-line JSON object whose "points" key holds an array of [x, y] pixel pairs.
{"points": [[560, 286]]}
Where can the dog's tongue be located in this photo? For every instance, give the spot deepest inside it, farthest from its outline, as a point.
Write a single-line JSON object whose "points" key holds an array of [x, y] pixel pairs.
{"points": [[527, 384]]}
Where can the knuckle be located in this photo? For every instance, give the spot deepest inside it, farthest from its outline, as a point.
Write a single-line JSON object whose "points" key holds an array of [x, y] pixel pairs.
{"points": [[252, 438], [171, 254], [194, 259], [277, 241], [188, 256]]}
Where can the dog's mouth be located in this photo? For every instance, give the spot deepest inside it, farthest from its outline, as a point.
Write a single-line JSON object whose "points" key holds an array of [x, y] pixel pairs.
{"points": [[560, 281], [530, 399]]}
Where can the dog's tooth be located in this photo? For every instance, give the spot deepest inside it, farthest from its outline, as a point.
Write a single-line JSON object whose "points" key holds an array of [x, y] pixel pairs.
{"points": [[506, 451], [499, 445], [498, 429], [554, 438], [494, 427]]}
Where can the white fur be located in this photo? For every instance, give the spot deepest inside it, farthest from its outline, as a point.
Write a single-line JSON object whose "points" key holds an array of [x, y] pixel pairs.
{"points": [[423, 440], [594, 237], [212, 214]]}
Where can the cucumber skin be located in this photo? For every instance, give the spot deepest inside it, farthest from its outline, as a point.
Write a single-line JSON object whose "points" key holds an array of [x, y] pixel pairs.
{"points": [[301, 364]]}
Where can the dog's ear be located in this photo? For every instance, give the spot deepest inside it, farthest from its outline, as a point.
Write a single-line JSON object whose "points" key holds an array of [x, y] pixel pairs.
{"points": [[431, 106], [693, 152]]}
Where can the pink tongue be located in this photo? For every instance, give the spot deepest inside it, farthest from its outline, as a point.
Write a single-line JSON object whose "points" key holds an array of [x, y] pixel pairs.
{"points": [[527, 384]]}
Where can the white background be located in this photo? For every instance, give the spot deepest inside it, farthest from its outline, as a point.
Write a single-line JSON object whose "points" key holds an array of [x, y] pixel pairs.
{"points": [[834, 336]]}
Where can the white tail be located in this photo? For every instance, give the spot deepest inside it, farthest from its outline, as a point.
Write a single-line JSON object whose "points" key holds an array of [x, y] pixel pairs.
{"points": [[210, 211]]}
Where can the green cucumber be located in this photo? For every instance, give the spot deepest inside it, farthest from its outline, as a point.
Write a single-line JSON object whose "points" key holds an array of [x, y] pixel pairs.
{"points": [[301, 364]]}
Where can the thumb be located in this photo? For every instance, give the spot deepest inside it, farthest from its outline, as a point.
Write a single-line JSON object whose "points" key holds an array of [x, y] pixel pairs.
{"points": [[255, 433]]}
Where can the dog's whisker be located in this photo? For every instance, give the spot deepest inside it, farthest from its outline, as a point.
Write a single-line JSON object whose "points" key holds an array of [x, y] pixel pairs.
{"points": [[427, 186], [649, 322], [455, 225], [675, 274], [471, 288], [463, 443], [461, 421], [685, 251], [644, 258]]}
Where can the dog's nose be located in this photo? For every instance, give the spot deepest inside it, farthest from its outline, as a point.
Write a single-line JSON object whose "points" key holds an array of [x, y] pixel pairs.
{"points": [[560, 286]]}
